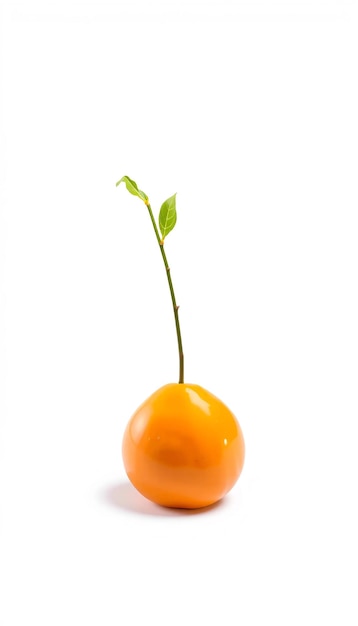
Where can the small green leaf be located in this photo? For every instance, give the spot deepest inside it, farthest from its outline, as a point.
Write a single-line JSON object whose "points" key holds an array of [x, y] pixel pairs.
{"points": [[133, 188], [168, 216]]}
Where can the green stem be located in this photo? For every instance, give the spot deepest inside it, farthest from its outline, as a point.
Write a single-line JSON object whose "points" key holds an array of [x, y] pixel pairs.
{"points": [[175, 306]]}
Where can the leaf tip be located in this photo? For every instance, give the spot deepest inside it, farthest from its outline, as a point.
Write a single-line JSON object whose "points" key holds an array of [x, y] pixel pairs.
{"points": [[121, 180]]}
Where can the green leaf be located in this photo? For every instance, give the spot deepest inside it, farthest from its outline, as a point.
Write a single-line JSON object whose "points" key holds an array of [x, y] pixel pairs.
{"points": [[168, 216], [133, 188]]}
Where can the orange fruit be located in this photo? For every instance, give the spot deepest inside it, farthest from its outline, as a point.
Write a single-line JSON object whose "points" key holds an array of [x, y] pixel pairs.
{"points": [[183, 447]]}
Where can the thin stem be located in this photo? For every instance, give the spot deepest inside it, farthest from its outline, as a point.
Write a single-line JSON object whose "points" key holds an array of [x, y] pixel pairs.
{"points": [[175, 306]]}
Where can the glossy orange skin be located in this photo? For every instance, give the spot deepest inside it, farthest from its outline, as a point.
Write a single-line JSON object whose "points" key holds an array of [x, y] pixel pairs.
{"points": [[183, 447]]}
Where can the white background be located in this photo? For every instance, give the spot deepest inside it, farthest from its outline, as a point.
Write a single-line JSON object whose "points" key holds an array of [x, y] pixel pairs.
{"points": [[249, 112]]}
